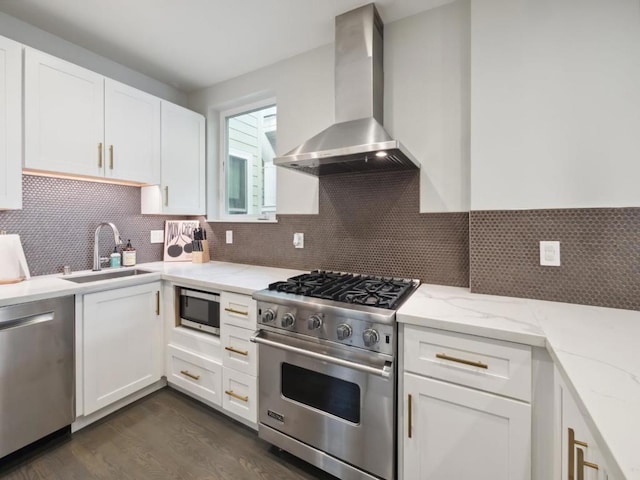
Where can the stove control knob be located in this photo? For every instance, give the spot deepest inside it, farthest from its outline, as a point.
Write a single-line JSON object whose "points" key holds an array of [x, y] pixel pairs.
{"points": [[314, 322], [268, 316], [344, 331], [288, 320], [370, 337]]}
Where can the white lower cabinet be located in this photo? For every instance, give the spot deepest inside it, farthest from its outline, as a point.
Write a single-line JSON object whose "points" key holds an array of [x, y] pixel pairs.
{"points": [[462, 423], [580, 457], [240, 394], [195, 374], [454, 432], [239, 355], [121, 343]]}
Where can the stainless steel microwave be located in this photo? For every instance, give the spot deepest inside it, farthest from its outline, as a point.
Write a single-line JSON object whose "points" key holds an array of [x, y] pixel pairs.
{"points": [[200, 310]]}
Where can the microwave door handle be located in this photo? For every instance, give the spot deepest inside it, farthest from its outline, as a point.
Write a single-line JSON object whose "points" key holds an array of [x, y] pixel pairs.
{"points": [[384, 372]]}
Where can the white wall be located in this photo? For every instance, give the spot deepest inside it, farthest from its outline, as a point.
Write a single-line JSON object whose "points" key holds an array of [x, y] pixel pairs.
{"points": [[426, 106], [34, 37], [303, 88], [555, 104], [427, 100]]}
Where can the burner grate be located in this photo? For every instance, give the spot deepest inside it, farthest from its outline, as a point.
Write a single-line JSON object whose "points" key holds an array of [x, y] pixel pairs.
{"points": [[383, 292]]}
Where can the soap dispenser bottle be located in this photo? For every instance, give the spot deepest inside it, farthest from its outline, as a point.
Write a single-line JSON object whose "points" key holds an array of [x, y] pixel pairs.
{"points": [[114, 260], [128, 255]]}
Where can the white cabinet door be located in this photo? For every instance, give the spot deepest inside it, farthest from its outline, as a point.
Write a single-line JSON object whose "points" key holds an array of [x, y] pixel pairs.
{"points": [[452, 432], [580, 455], [10, 124], [122, 343], [182, 150], [132, 134], [64, 116]]}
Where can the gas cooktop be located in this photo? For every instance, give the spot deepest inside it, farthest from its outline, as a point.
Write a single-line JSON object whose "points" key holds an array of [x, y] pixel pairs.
{"points": [[369, 290]]}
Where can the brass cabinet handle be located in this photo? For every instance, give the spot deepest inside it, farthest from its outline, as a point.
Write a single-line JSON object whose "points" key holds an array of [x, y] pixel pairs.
{"points": [[158, 303], [233, 394], [239, 352], [571, 454], [166, 196], [582, 464], [111, 157], [444, 356], [186, 373], [409, 414], [239, 312], [100, 155]]}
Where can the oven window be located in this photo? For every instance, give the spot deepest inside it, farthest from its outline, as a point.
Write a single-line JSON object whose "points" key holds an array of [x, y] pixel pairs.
{"points": [[329, 394]]}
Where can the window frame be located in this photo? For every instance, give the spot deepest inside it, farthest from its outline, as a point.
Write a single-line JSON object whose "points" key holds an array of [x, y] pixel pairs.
{"points": [[223, 216]]}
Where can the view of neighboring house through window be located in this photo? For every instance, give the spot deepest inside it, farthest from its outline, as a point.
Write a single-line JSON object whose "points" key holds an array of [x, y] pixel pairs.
{"points": [[250, 176]]}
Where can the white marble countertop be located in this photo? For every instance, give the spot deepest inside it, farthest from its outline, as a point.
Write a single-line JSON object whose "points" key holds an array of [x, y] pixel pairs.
{"points": [[232, 277], [596, 349]]}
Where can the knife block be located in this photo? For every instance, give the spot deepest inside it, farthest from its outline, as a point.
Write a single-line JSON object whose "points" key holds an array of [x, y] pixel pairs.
{"points": [[203, 256]]}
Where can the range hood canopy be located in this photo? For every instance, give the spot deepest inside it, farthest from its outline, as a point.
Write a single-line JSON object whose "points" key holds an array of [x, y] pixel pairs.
{"points": [[357, 142]]}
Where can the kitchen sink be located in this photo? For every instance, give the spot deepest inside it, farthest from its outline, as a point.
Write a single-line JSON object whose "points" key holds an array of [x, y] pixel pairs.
{"points": [[106, 275]]}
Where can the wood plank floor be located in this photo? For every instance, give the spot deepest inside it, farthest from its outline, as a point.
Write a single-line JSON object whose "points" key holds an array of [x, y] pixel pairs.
{"points": [[163, 436]]}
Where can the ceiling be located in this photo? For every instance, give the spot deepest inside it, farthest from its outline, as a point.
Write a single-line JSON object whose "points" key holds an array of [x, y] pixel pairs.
{"points": [[191, 44]]}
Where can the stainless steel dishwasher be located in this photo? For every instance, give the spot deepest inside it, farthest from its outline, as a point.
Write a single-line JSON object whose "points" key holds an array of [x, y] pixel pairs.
{"points": [[36, 371]]}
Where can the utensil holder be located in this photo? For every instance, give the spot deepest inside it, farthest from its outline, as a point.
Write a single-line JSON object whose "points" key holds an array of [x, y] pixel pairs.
{"points": [[203, 256]]}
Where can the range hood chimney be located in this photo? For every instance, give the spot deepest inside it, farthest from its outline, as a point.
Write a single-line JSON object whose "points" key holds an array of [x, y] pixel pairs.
{"points": [[357, 142]]}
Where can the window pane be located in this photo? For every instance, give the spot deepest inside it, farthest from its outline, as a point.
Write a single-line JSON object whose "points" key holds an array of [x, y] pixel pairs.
{"points": [[250, 173]]}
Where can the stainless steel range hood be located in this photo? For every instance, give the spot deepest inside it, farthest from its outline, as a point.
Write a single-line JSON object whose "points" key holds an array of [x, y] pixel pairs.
{"points": [[357, 142]]}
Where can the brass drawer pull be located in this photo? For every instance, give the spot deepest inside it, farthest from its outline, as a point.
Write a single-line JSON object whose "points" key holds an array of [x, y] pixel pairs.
{"points": [[239, 312], [233, 394], [582, 464], [158, 303], [166, 196], [111, 157], [239, 352], [186, 373], [444, 356], [409, 414], [100, 155]]}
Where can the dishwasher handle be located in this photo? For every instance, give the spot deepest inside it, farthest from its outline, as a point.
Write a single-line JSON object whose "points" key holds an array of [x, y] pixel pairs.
{"points": [[384, 372], [25, 321]]}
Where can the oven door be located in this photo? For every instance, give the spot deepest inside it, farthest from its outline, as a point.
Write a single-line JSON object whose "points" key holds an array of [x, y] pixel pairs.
{"points": [[340, 401]]}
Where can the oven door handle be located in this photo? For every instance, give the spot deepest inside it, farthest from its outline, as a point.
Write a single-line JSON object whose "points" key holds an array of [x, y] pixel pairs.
{"points": [[384, 372]]}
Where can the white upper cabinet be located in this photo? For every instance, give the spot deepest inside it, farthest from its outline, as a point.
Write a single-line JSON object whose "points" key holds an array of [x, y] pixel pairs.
{"points": [[10, 124], [64, 116], [182, 185], [131, 133], [79, 123]]}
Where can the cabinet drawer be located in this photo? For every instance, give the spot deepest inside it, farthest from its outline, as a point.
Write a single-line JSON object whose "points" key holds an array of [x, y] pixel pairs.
{"points": [[238, 310], [200, 343], [195, 374], [237, 351], [486, 364], [239, 394]]}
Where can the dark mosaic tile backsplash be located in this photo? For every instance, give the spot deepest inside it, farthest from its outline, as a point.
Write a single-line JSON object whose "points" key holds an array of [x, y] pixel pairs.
{"points": [[368, 223], [59, 217], [599, 255]]}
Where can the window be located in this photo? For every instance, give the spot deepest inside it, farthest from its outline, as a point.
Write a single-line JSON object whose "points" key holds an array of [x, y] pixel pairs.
{"points": [[248, 170]]}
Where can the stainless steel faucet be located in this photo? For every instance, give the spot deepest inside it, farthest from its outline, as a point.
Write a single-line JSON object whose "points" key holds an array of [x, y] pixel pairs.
{"points": [[97, 259]]}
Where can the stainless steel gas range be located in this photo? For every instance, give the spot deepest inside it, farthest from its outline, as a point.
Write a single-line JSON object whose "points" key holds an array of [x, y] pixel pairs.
{"points": [[327, 371]]}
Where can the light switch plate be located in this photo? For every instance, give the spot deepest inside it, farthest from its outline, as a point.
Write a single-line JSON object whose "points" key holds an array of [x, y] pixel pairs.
{"points": [[229, 236], [298, 240], [550, 254], [157, 236]]}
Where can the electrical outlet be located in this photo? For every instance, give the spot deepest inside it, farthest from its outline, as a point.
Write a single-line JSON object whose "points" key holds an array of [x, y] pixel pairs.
{"points": [[298, 240], [550, 254], [229, 236], [157, 236]]}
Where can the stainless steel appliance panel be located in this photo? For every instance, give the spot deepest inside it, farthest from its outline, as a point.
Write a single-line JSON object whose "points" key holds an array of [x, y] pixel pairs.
{"points": [[36, 371], [348, 411], [200, 310]]}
